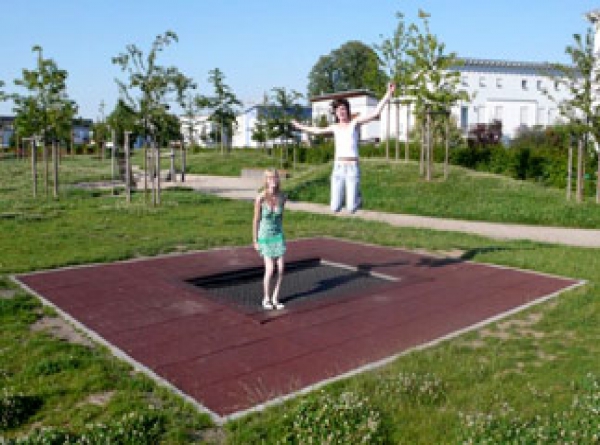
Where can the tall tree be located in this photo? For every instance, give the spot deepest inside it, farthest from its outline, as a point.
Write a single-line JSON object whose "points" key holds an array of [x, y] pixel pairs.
{"points": [[352, 66], [581, 110], [45, 109], [436, 85], [151, 87], [393, 51], [285, 108], [224, 105], [124, 118], [261, 132]]}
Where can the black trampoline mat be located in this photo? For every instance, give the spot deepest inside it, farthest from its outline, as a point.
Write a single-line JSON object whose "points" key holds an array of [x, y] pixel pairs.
{"points": [[303, 281]]}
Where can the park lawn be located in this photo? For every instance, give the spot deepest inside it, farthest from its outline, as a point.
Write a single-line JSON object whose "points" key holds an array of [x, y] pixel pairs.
{"points": [[229, 163], [396, 187], [536, 362]]}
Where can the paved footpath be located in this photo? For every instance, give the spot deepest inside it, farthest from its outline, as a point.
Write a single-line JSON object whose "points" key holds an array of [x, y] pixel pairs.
{"points": [[246, 188]]}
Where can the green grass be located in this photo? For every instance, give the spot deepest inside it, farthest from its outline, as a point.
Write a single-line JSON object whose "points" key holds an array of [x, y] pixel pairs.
{"points": [[535, 362], [469, 195]]}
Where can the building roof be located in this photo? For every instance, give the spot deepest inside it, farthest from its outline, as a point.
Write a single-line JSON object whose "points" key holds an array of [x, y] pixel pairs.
{"points": [[473, 62], [343, 95]]}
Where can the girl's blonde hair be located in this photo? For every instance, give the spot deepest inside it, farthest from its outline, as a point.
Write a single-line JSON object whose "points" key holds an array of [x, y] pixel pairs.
{"points": [[268, 173]]}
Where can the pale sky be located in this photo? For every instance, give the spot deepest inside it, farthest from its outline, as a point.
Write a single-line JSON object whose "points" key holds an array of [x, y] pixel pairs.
{"points": [[262, 44]]}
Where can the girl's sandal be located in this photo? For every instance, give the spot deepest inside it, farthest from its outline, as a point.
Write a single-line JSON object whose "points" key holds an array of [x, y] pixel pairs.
{"points": [[266, 304], [278, 306]]}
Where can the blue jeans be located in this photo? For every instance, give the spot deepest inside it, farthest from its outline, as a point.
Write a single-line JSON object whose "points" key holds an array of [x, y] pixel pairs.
{"points": [[345, 180]]}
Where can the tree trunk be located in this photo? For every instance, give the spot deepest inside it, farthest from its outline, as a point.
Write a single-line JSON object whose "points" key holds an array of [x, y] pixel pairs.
{"points": [[387, 133], [397, 130], [146, 172], [157, 151], [570, 170], [46, 166], [579, 191], [127, 167], [422, 153], [430, 136], [173, 177], [34, 167], [447, 144], [55, 154], [407, 143], [182, 161], [598, 179]]}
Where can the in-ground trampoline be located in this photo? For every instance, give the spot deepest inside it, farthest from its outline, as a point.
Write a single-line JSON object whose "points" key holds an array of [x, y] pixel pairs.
{"points": [[194, 320]]}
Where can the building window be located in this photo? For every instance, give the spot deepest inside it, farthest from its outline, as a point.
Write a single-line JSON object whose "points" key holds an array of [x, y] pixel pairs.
{"points": [[498, 82], [498, 111], [541, 115], [524, 116], [556, 86], [464, 118], [524, 84], [539, 85], [464, 81], [482, 81]]}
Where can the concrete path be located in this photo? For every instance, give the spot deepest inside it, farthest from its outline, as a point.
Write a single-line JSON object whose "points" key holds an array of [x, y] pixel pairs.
{"points": [[246, 189]]}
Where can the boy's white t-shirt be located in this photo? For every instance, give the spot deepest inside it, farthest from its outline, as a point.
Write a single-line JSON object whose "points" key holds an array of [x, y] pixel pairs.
{"points": [[346, 140]]}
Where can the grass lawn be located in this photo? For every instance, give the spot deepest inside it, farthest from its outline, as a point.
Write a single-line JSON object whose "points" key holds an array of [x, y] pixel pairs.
{"points": [[531, 377], [397, 188]]}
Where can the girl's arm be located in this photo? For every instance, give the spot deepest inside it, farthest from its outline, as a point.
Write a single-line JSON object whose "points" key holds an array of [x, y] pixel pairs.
{"points": [[255, 220], [380, 105], [310, 129]]}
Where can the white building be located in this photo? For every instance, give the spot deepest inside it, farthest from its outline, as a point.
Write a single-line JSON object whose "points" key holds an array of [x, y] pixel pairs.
{"points": [[246, 124], [198, 131], [511, 92]]}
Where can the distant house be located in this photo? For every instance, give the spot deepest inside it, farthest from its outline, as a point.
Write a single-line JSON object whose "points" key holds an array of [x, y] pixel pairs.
{"points": [[513, 93], [199, 130], [6, 130], [247, 120], [81, 130]]}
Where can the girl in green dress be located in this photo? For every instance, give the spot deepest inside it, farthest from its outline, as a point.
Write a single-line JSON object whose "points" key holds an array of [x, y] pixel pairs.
{"points": [[268, 238]]}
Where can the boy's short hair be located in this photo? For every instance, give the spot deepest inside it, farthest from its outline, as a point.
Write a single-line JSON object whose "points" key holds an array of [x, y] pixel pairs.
{"points": [[340, 103]]}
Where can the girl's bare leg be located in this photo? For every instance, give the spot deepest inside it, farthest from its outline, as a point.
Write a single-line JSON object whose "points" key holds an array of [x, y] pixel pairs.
{"points": [[269, 263], [280, 270]]}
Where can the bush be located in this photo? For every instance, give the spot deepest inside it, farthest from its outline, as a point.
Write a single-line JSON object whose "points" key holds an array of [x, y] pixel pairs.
{"points": [[416, 389], [578, 425], [328, 419], [16, 408], [131, 429]]}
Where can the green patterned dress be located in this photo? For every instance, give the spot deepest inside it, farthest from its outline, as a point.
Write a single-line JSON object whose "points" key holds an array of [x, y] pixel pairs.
{"points": [[271, 241]]}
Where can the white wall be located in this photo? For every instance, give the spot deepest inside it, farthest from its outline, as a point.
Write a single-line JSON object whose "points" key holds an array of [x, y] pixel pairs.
{"points": [[513, 92]]}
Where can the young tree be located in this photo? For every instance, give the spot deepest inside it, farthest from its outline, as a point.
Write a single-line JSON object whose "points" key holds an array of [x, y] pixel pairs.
{"points": [[149, 90], [224, 104], [45, 109], [352, 66], [261, 132], [436, 85], [393, 51], [285, 108], [580, 110]]}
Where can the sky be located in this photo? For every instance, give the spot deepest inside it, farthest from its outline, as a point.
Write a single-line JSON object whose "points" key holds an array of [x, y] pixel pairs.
{"points": [[261, 44]]}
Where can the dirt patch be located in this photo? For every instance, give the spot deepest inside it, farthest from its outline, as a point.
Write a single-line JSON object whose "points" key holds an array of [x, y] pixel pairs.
{"points": [[99, 399], [7, 293], [61, 329], [516, 328], [213, 436]]}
